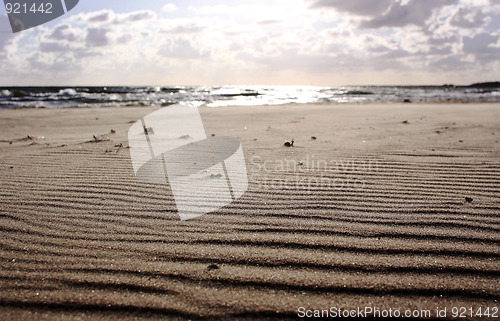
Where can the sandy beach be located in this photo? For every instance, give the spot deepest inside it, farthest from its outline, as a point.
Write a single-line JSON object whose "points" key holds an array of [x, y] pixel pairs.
{"points": [[390, 206]]}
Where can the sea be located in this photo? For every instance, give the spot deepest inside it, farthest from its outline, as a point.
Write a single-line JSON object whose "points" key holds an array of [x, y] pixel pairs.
{"points": [[217, 96]]}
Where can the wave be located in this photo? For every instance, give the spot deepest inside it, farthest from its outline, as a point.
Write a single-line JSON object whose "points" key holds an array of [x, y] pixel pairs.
{"points": [[216, 96]]}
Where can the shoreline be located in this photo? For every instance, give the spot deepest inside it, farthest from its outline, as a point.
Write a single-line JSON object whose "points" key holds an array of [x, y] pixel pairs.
{"points": [[331, 103], [242, 95]]}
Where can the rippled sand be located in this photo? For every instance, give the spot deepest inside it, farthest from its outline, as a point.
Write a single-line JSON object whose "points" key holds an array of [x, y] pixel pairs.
{"points": [[372, 211]]}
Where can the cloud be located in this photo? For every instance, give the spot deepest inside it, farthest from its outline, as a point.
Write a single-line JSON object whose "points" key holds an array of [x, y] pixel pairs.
{"points": [[106, 16], [124, 39], [102, 16], [169, 7], [387, 13], [63, 33], [95, 17], [322, 40], [481, 46], [182, 49], [324, 64], [414, 12], [185, 28], [480, 43], [468, 18], [293, 60], [136, 16], [450, 63], [269, 22], [96, 37], [53, 47], [357, 7]]}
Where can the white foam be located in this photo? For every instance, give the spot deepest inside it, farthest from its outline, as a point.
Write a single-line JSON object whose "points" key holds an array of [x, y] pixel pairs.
{"points": [[5, 93], [67, 92]]}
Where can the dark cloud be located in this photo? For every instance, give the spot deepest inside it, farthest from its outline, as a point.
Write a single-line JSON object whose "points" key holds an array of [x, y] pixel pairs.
{"points": [[468, 18], [387, 13], [479, 46], [62, 33], [436, 41], [440, 51], [100, 17], [138, 16], [479, 43], [415, 12], [96, 37], [53, 47], [357, 7]]}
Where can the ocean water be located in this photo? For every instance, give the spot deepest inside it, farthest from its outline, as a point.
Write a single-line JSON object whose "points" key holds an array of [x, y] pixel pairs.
{"points": [[216, 96]]}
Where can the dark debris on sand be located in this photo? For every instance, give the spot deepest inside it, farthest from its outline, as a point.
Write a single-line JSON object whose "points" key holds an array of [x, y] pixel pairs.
{"points": [[99, 139], [215, 175], [212, 267]]}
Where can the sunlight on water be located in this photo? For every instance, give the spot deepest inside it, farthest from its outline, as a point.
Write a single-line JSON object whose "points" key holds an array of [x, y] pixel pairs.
{"points": [[217, 96]]}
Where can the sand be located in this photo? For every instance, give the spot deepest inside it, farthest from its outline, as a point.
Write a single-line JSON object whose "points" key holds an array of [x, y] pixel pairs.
{"points": [[370, 213]]}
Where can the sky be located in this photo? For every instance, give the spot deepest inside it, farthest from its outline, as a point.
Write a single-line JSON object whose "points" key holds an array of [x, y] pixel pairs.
{"points": [[258, 42]]}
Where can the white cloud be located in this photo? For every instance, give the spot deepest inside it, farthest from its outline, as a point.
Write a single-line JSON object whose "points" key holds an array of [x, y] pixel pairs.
{"points": [[96, 17], [322, 41], [169, 7], [182, 49]]}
